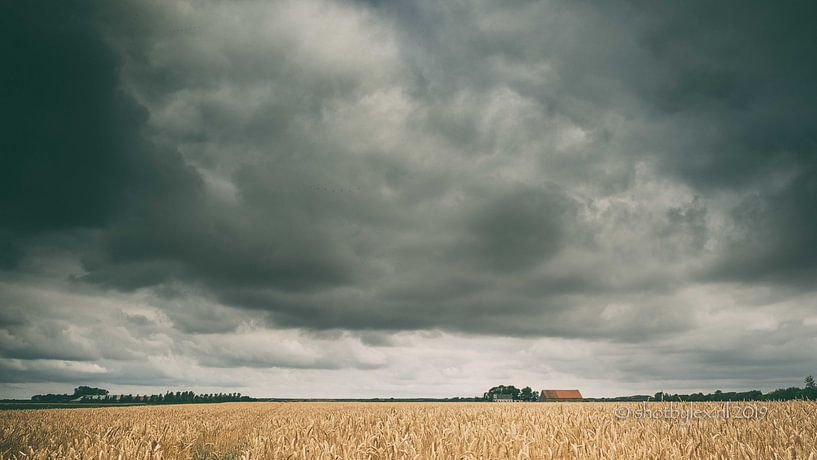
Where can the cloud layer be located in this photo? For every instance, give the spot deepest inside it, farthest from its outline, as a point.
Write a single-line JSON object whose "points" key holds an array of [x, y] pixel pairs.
{"points": [[369, 191]]}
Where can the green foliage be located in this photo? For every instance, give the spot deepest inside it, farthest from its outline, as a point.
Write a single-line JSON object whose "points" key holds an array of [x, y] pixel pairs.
{"points": [[88, 391], [86, 395], [781, 394], [508, 390], [525, 394]]}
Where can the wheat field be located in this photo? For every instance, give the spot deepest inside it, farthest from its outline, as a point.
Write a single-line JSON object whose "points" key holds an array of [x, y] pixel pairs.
{"points": [[404, 430]]}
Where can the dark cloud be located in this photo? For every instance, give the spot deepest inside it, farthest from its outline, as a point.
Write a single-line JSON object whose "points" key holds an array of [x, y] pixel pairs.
{"points": [[736, 80], [774, 239], [75, 153], [516, 230], [67, 124], [228, 173]]}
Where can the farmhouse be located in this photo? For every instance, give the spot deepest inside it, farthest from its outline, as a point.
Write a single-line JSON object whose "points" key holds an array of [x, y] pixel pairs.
{"points": [[503, 398], [560, 395]]}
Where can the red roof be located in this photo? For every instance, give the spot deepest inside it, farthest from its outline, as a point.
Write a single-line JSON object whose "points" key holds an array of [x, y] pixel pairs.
{"points": [[561, 394]]}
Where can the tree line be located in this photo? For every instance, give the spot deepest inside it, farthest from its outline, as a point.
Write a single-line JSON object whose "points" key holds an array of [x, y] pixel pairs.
{"points": [[79, 392], [809, 392], [96, 395]]}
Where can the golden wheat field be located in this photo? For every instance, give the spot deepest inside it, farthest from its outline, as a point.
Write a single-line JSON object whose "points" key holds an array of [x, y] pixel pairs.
{"points": [[407, 430]]}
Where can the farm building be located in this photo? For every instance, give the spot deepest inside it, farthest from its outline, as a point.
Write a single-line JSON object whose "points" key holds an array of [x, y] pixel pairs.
{"points": [[503, 398], [560, 395]]}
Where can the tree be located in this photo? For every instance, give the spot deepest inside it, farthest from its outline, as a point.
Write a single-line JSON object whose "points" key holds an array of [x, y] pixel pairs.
{"points": [[509, 390], [810, 392], [527, 394], [87, 391]]}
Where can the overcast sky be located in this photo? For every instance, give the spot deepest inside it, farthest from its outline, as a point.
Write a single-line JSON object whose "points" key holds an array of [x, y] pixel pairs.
{"points": [[407, 198]]}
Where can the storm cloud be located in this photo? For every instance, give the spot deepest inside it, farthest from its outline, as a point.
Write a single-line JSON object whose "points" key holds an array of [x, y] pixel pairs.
{"points": [[301, 191]]}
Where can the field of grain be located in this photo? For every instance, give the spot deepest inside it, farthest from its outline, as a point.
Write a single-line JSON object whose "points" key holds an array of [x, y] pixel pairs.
{"points": [[405, 430]]}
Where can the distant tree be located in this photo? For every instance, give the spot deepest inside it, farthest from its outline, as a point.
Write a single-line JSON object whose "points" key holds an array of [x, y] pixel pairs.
{"points": [[88, 391], [527, 394], [810, 392], [785, 394], [50, 397], [508, 390]]}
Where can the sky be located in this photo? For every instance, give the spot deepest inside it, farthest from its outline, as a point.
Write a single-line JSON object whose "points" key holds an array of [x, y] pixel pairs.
{"points": [[322, 198]]}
